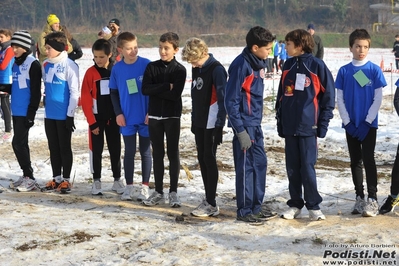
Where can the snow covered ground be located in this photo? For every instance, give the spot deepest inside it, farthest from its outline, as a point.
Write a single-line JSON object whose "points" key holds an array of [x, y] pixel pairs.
{"points": [[81, 229]]}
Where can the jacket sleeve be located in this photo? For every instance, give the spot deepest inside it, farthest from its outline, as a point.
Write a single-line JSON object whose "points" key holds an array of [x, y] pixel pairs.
{"points": [[86, 97], [73, 83], [149, 87], [219, 80], [278, 108], [396, 100], [179, 80], [327, 98], [9, 55], [233, 96], [76, 50], [35, 75]]}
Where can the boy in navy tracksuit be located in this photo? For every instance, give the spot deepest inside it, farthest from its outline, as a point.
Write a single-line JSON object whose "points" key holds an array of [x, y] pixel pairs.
{"points": [[305, 104], [25, 101], [244, 106]]}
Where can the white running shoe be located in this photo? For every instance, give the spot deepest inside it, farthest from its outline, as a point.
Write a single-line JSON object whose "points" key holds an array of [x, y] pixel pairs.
{"points": [[371, 208], [27, 185], [18, 182], [174, 200], [291, 213], [144, 193], [118, 186], [205, 209], [155, 199], [128, 193], [359, 206], [316, 215], [96, 188]]}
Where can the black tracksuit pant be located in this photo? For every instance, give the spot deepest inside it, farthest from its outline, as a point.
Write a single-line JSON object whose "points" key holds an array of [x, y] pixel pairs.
{"points": [[20, 145], [113, 138], [59, 144]]}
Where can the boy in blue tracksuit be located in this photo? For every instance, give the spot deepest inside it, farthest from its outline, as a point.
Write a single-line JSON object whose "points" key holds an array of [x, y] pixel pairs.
{"points": [[244, 106], [61, 82], [359, 95], [305, 104], [26, 94]]}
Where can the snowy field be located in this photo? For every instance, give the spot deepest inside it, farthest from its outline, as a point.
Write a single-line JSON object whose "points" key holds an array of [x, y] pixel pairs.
{"points": [[81, 229]]}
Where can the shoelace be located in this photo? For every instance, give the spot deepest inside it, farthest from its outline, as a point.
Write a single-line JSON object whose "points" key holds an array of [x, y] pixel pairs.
{"points": [[395, 202], [62, 185], [51, 184]]}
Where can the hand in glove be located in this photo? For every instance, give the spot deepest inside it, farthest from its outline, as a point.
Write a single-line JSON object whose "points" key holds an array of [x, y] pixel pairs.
{"points": [[217, 135], [351, 129], [244, 139], [363, 130], [69, 124], [321, 132], [29, 122]]}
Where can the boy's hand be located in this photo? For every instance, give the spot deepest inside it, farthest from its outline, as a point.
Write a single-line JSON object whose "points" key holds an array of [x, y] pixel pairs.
{"points": [[245, 140], [95, 129], [363, 130], [120, 120], [217, 135], [69, 124], [146, 119], [351, 129], [29, 123]]}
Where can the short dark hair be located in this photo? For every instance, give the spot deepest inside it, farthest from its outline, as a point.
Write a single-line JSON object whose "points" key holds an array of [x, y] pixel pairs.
{"points": [[102, 45], [125, 37], [170, 37], [258, 36], [359, 34], [301, 38]]}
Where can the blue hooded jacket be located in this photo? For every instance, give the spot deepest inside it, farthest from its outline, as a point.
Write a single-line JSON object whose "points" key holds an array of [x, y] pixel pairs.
{"points": [[244, 91]]}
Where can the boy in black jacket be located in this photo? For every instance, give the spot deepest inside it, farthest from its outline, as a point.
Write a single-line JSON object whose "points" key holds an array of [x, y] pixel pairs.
{"points": [[164, 82]]}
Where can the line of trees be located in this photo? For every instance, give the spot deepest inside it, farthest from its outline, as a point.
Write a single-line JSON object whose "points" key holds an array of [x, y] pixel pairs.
{"points": [[188, 16]]}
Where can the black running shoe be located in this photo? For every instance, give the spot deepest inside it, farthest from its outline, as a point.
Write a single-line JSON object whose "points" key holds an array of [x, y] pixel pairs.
{"points": [[266, 215], [250, 218], [389, 204]]}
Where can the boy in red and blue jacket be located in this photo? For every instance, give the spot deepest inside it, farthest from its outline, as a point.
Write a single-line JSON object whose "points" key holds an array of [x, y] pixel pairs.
{"points": [[305, 104]]}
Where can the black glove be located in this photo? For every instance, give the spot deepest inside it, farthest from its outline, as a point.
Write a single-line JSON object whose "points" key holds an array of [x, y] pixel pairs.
{"points": [[29, 122], [217, 135], [69, 124], [192, 129]]}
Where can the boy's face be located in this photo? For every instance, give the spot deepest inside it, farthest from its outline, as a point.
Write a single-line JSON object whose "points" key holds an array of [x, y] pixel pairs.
{"points": [[4, 38], [101, 59], [263, 51], [129, 51], [360, 49], [18, 51], [293, 50], [51, 52], [166, 51]]}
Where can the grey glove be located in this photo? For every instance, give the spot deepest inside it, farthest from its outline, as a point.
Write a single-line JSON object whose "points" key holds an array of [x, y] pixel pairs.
{"points": [[244, 139]]}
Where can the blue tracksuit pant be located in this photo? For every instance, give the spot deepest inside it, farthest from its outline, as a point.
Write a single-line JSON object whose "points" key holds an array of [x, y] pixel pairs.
{"points": [[250, 167], [300, 159]]}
